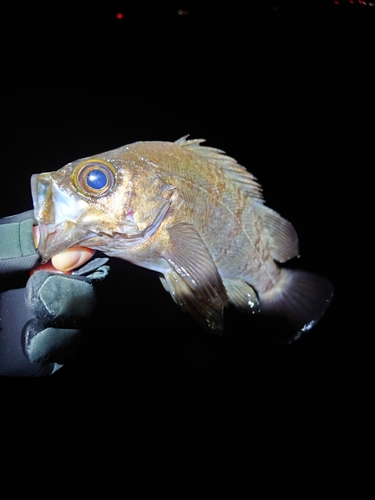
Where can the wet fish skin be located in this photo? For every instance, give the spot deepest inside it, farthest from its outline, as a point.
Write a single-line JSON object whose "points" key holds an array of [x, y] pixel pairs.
{"points": [[192, 214]]}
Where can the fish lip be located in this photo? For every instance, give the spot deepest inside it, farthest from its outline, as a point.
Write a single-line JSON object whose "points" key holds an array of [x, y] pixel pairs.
{"points": [[41, 193], [34, 190], [39, 188], [44, 232]]}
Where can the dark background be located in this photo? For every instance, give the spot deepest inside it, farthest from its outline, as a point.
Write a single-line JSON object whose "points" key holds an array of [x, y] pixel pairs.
{"points": [[283, 87]]}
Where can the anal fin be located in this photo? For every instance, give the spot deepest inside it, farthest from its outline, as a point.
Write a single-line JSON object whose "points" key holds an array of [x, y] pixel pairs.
{"points": [[242, 296]]}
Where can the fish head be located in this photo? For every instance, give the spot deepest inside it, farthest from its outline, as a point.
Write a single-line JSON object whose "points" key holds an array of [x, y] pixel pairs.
{"points": [[106, 202]]}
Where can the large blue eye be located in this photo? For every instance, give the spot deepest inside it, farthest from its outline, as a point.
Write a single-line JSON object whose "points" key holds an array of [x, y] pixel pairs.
{"points": [[95, 177]]}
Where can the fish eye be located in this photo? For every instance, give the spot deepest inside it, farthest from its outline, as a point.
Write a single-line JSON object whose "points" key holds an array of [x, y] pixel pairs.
{"points": [[94, 177]]}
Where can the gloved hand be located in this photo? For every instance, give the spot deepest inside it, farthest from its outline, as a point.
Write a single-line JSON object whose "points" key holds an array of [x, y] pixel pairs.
{"points": [[40, 323]]}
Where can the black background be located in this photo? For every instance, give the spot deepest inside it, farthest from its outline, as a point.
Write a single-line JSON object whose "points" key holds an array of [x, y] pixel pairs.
{"points": [[286, 91]]}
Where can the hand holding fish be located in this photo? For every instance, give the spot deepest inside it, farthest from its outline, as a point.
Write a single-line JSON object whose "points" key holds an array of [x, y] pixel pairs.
{"points": [[41, 321], [188, 212]]}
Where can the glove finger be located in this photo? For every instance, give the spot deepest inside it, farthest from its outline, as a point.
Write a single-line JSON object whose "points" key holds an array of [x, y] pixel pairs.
{"points": [[60, 299], [50, 345]]}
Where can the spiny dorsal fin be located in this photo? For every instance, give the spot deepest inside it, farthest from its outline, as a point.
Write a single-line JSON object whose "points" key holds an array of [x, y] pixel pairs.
{"points": [[234, 170]]}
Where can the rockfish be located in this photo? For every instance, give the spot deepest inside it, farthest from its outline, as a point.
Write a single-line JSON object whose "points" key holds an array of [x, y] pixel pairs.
{"points": [[190, 213]]}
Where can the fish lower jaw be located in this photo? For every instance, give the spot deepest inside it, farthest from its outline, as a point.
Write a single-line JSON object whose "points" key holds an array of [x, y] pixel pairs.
{"points": [[45, 232], [53, 240]]}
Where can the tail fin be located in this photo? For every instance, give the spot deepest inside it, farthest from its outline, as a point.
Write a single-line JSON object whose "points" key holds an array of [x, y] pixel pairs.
{"points": [[300, 296]]}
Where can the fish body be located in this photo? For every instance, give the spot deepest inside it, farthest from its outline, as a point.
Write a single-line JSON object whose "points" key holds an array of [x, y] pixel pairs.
{"points": [[190, 213]]}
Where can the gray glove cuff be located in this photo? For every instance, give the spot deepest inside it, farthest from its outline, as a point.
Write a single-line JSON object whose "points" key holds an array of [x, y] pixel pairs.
{"points": [[17, 249]]}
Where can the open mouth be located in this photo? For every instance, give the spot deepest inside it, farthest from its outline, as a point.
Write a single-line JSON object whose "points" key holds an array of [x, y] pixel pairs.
{"points": [[56, 210], [41, 192]]}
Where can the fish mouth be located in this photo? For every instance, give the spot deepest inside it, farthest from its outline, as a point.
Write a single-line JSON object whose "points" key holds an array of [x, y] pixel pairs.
{"points": [[52, 241], [47, 245], [56, 214], [43, 210], [43, 235], [41, 192]]}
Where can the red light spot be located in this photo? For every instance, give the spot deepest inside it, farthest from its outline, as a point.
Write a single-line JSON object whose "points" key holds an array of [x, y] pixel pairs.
{"points": [[119, 15]]}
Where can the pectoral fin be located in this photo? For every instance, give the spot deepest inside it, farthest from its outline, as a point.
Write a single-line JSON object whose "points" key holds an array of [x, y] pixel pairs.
{"points": [[195, 281], [209, 317]]}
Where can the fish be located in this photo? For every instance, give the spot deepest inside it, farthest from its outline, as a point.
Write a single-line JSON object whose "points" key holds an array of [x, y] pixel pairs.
{"points": [[190, 213]]}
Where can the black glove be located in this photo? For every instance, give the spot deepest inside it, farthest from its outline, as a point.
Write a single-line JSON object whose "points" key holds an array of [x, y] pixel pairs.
{"points": [[40, 324]]}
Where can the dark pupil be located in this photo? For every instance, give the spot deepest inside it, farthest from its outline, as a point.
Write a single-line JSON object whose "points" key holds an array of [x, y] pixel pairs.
{"points": [[96, 179]]}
